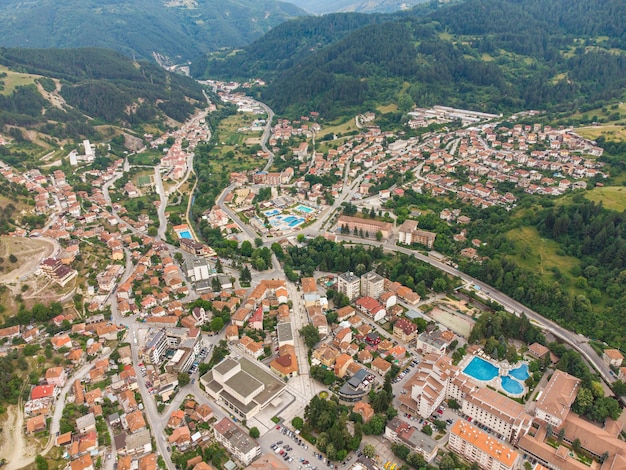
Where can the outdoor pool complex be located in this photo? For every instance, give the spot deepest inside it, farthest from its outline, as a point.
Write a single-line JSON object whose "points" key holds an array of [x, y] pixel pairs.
{"points": [[305, 209], [484, 371], [285, 222], [185, 234], [272, 212]]}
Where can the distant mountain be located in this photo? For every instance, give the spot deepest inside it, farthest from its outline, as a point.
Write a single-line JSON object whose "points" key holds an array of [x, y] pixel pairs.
{"points": [[178, 29], [67, 93], [283, 46], [484, 54], [359, 6]]}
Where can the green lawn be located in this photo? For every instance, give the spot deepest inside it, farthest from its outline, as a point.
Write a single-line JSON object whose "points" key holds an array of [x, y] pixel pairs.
{"points": [[541, 255], [15, 79], [609, 131], [612, 197]]}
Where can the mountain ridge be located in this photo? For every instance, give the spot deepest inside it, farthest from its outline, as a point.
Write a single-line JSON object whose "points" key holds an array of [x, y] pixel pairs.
{"points": [[490, 55], [138, 28]]}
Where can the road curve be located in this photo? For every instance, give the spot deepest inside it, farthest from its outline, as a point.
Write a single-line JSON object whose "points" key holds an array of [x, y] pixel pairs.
{"points": [[576, 341]]}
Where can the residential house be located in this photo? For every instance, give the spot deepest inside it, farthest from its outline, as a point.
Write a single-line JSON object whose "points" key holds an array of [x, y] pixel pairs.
{"points": [[612, 357], [405, 329], [381, 366], [364, 409]]}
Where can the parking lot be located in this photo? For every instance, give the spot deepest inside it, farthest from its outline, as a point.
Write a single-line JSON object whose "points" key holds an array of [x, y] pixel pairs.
{"points": [[296, 452]]}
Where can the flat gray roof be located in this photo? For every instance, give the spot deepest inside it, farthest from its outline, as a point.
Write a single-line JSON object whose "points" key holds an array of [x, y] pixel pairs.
{"points": [[273, 385], [284, 332], [226, 365], [244, 383]]}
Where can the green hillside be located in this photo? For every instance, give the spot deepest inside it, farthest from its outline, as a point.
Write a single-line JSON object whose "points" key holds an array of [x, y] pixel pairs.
{"points": [[360, 6], [179, 29], [54, 95], [493, 55], [283, 47]]}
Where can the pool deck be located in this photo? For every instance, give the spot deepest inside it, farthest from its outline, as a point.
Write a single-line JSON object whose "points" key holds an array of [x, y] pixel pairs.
{"points": [[495, 382]]}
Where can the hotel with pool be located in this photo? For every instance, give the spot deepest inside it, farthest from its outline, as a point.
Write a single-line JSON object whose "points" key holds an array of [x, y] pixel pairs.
{"points": [[510, 379], [283, 220], [484, 390], [183, 231]]}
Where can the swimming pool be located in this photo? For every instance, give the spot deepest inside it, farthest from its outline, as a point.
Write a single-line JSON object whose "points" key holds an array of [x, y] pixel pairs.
{"points": [[293, 221], [481, 370], [284, 222], [272, 212], [185, 234], [305, 209], [510, 385], [521, 373]]}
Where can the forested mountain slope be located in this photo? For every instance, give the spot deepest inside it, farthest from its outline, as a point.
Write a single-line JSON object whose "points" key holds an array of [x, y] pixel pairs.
{"points": [[179, 29], [92, 86], [360, 6], [491, 55]]}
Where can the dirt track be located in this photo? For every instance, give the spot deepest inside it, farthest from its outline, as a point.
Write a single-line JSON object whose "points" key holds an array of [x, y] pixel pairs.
{"points": [[29, 252], [13, 446]]}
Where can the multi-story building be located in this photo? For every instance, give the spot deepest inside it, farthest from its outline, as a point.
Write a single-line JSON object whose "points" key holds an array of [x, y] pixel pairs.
{"points": [[198, 269], [477, 446], [349, 285], [557, 398], [156, 345], [243, 387], [408, 233], [238, 443], [372, 284], [56, 376], [401, 432], [426, 390], [365, 227], [506, 418], [405, 329]]}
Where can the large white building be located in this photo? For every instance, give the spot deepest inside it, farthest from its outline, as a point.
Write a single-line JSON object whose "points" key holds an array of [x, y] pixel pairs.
{"points": [[506, 418], [243, 387], [372, 284], [198, 269], [557, 398], [436, 380], [349, 285]]}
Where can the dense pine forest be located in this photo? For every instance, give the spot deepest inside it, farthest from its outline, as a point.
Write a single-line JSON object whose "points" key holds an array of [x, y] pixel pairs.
{"points": [[178, 31], [101, 84], [495, 55]]}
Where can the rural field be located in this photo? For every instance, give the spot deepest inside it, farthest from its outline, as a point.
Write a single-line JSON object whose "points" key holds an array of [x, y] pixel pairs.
{"points": [[15, 79], [541, 255], [612, 197]]}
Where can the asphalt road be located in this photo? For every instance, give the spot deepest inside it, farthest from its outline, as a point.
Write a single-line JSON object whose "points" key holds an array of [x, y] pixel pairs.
{"points": [[576, 341]]}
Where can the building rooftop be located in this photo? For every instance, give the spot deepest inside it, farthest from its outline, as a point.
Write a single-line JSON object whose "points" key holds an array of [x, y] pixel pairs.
{"points": [[226, 365], [349, 277], [559, 394], [284, 332], [486, 443], [244, 384], [238, 439]]}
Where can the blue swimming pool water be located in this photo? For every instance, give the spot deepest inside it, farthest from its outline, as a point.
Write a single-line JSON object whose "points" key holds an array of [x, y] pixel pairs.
{"points": [[511, 385], [305, 209], [290, 221], [521, 373], [185, 234], [271, 212], [481, 369]]}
